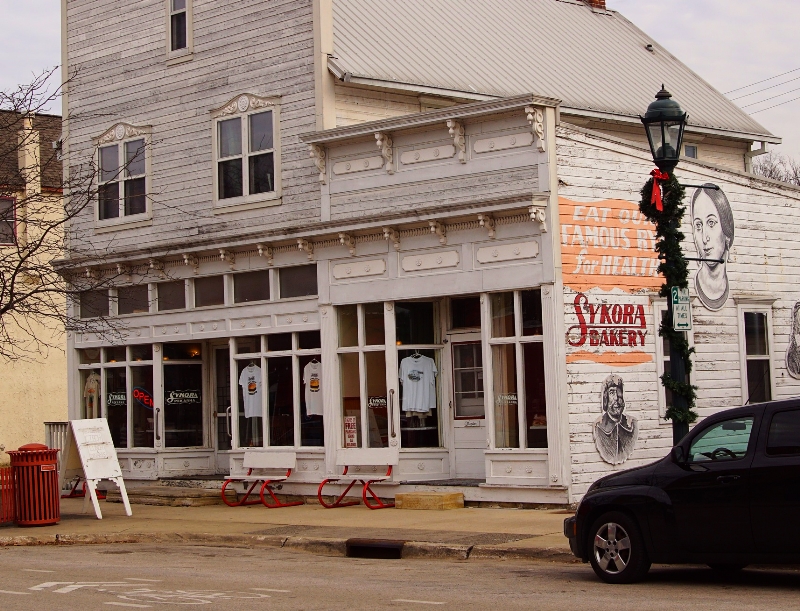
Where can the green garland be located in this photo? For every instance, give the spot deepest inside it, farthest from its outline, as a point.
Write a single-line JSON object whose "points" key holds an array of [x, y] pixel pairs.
{"points": [[676, 273]]}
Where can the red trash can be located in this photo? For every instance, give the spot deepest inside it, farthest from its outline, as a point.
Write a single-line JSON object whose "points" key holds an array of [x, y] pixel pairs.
{"points": [[36, 494]]}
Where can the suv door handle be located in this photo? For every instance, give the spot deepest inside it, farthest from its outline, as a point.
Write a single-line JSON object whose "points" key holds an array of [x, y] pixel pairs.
{"points": [[727, 479]]}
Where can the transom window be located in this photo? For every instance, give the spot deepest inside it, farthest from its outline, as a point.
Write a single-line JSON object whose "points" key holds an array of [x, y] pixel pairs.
{"points": [[122, 183]]}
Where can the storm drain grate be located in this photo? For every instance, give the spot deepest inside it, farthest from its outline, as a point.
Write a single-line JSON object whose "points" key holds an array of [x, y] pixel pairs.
{"points": [[380, 549]]}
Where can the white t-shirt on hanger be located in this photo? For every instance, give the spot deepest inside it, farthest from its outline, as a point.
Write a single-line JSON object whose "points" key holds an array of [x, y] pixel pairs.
{"points": [[418, 377], [312, 379], [250, 381]]}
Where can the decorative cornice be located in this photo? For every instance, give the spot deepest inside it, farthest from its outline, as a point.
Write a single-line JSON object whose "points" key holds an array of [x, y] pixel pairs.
{"points": [[122, 131], [244, 103], [432, 117]]}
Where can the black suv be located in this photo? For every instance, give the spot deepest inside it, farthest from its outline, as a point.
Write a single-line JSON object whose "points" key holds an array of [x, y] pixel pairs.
{"points": [[727, 495]]}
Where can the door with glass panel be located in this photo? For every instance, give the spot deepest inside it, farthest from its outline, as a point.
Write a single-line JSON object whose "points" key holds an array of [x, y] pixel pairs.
{"points": [[221, 388], [181, 422]]}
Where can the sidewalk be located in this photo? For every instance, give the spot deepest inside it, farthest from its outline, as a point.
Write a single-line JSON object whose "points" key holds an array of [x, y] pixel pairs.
{"points": [[455, 534]]}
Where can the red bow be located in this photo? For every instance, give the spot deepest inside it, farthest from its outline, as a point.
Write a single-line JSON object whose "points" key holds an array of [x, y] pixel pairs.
{"points": [[656, 197]]}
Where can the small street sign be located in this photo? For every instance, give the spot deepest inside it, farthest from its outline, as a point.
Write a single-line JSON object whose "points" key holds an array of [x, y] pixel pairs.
{"points": [[681, 310]]}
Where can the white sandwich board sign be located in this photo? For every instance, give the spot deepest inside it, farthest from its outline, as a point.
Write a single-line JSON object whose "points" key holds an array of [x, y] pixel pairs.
{"points": [[89, 453]]}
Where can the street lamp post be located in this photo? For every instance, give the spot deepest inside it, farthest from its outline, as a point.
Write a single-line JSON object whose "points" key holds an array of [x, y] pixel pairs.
{"points": [[664, 124]]}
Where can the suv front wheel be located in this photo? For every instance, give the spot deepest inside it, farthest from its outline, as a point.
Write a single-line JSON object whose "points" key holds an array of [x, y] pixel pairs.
{"points": [[617, 552]]}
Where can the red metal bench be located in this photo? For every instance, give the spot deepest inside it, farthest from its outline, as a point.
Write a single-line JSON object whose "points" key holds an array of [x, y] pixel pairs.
{"points": [[258, 464], [360, 459]]}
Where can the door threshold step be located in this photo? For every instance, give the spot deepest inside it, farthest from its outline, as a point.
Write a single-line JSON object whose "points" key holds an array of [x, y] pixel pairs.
{"points": [[429, 500]]}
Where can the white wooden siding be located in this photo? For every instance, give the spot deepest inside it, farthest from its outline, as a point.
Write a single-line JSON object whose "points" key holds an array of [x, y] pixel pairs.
{"points": [[763, 262], [250, 46]]}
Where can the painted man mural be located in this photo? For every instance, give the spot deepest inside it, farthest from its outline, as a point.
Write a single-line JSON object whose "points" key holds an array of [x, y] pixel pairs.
{"points": [[615, 433], [712, 228]]}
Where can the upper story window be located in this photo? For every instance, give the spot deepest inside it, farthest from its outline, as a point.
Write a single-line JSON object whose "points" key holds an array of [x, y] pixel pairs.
{"points": [[756, 341], [8, 221], [179, 30], [178, 22], [247, 153], [690, 150], [122, 161]]}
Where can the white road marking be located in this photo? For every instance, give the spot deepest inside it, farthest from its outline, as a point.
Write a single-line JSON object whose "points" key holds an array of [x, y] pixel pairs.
{"points": [[140, 579], [130, 605], [270, 590], [37, 571], [10, 592], [416, 602]]}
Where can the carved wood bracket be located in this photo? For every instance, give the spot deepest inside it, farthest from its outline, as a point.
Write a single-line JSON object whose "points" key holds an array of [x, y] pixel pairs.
{"points": [[536, 119], [307, 247], [385, 143], [456, 129], [319, 156], [191, 261], [265, 251], [487, 222], [391, 235], [348, 241], [440, 230], [538, 212]]}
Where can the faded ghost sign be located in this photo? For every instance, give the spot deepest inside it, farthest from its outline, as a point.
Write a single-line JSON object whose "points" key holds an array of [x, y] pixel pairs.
{"points": [[605, 324], [612, 331], [607, 244]]}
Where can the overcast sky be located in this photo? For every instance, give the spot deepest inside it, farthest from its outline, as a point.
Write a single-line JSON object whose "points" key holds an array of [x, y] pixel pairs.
{"points": [[730, 43]]}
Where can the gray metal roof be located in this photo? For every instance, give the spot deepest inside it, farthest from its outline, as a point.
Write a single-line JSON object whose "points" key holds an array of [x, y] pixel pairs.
{"points": [[594, 61]]}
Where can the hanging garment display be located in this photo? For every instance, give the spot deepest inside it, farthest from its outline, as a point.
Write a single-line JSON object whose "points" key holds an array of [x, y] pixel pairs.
{"points": [[250, 381], [312, 379], [91, 395], [418, 377]]}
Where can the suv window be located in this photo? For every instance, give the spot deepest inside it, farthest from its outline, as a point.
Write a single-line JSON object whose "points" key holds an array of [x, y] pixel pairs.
{"points": [[726, 440], [784, 433]]}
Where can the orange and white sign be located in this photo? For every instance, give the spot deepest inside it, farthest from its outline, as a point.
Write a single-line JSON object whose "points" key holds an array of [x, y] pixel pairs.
{"points": [[607, 245]]}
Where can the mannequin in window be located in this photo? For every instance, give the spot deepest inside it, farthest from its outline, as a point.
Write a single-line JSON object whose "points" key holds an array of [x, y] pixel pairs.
{"points": [[91, 396]]}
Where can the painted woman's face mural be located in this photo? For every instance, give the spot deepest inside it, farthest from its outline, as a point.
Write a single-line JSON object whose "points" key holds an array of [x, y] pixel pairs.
{"points": [[793, 351], [713, 230]]}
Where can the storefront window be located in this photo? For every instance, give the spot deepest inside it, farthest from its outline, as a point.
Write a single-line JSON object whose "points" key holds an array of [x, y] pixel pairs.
{"points": [[374, 332], [222, 389], [285, 384], [133, 299], [281, 401], [377, 399], [251, 402], [183, 352], [351, 399], [183, 405], [503, 315], [518, 372], [117, 405], [143, 417], [251, 286], [419, 397], [465, 313], [535, 401], [506, 421], [90, 393], [248, 345], [89, 356], [121, 390], [171, 296]]}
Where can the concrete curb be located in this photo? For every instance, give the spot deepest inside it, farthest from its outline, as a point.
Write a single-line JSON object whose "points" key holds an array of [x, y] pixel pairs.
{"points": [[319, 546]]}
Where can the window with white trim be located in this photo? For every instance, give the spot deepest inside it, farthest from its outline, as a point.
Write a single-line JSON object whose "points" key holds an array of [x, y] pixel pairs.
{"points": [[8, 220], [246, 152], [690, 150], [663, 360], [516, 345], [178, 24], [756, 350], [122, 190]]}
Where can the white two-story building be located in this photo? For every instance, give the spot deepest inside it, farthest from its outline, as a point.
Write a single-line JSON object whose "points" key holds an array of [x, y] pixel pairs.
{"points": [[405, 226]]}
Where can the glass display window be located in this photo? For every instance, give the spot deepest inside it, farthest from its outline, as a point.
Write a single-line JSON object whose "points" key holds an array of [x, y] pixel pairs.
{"points": [[183, 405], [120, 390], [279, 391], [518, 396], [209, 291]]}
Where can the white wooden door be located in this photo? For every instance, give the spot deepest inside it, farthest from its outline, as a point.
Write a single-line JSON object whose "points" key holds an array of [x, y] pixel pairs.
{"points": [[469, 423]]}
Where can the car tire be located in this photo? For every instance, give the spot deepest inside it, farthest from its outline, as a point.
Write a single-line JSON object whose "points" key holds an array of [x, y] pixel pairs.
{"points": [[725, 567], [616, 549]]}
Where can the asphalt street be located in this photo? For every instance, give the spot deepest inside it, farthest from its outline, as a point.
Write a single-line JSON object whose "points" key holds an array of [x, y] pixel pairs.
{"points": [[88, 578]]}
